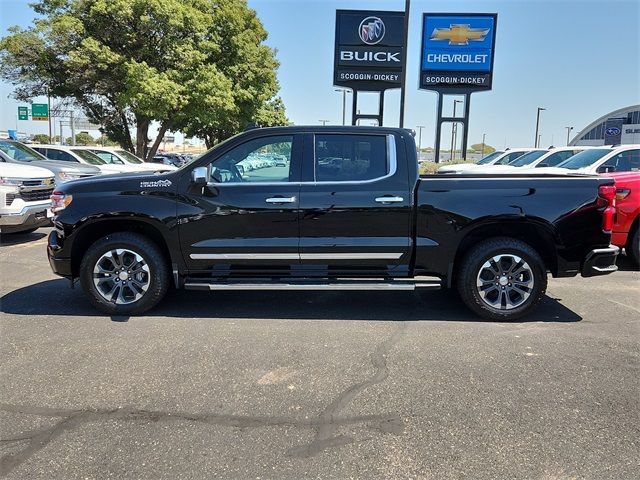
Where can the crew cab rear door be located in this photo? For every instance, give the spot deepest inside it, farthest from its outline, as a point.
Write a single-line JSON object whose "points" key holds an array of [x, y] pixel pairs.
{"points": [[355, 205], [245, 220]]}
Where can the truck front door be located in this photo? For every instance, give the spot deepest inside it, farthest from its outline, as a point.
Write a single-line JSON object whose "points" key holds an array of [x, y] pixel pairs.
{"points": [[244, 222]]}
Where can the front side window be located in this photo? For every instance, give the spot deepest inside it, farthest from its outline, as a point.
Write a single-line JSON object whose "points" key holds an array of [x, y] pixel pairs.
{"points": [[129, 156], [584, 158], [628, 161], [348, 158], [527, 158], [262, 160], [509, 157], [89, 157], [556, 158], [53, 154], [489, 158]]}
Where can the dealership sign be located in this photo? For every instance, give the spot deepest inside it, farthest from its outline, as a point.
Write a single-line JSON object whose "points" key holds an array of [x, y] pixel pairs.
{"points": [[457, 52], [368, 49]]}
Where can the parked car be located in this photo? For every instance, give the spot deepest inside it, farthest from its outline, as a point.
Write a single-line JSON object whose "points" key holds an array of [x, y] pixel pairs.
{"points": [[174, 159], [504, 158], [536, 159], [25, 193], [81, 155], [626, 227], [122, 157], [15, 152], [365, 222], [625, 158]]}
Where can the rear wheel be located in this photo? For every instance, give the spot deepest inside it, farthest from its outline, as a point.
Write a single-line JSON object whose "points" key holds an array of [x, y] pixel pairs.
{"points": [[502, 279], [124, 274]]}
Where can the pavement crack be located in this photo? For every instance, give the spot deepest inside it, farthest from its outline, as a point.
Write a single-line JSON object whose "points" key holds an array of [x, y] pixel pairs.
{"points": [[326, 432]]}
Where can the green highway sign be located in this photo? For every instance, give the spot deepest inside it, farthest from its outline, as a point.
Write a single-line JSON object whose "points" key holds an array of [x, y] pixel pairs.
{"points": [[39, 111], [23, 113]]}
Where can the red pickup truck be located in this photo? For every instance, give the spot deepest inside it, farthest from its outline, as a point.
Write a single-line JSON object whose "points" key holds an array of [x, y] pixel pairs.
{"points": [[626, 227]]}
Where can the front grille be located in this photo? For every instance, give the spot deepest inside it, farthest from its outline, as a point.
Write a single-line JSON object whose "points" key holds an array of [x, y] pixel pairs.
{"points": [[10, 197], [31, 183], [35, 195]]}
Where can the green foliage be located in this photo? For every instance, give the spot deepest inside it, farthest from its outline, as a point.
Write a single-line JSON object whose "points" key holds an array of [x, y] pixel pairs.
{"points": [[199, 66], [83, 138], [429, 168], [40, 138], [477, 147]]}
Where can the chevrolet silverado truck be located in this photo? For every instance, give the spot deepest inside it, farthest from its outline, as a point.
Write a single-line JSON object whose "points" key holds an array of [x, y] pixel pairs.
{"points": [[347, 210], [25, 193]]}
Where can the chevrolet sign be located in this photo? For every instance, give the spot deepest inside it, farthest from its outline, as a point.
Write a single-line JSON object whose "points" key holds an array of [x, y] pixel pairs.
{"points": [[457, 52]]}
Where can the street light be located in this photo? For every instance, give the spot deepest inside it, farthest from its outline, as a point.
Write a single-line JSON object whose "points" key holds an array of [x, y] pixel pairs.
{"points": [[323, 122], [483, 137], [538, 125], [568, 133], [344, 103], [454, 131]]}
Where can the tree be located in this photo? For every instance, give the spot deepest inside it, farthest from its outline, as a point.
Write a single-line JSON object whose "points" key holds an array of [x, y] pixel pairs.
{"points": [[40, 138], [478, 148], [128, 63], [83, 138]]}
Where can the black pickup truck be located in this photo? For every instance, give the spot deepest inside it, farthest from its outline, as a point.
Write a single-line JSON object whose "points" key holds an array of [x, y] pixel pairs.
{"points": [[328, 208]]}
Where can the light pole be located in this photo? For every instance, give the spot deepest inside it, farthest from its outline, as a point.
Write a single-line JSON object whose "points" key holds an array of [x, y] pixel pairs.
{"points": [[540, 109], [420, 127], [568, 133], [483, 137], [454, 131], [324, 122], [344, 103]]}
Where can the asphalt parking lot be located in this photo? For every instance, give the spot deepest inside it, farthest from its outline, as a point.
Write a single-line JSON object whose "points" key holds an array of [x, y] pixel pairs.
{"points": [[315, 385]]}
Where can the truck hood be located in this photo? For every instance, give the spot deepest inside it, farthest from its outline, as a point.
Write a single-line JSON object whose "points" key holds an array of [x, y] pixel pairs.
{"points": [[460, 167], [13, 170], [133, 181]]}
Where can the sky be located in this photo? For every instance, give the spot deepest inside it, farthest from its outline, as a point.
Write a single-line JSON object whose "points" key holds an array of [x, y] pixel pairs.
{"points": [[577, 59]]}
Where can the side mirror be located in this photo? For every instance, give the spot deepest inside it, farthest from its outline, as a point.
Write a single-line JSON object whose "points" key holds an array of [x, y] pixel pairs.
{"points": [[607, 169], [199, 176]]}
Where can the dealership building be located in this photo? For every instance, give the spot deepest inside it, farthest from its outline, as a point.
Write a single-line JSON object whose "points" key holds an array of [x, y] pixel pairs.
{"points": [[618, 127]]}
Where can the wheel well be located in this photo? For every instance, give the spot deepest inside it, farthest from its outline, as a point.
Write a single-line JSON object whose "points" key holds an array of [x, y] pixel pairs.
{"points": [[634, 226], [534, 236], [91, 233]]}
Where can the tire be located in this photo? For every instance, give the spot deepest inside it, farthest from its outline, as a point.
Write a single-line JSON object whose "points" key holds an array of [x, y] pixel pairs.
{"points": [[633, 246], [123, 293], [508, 298]]}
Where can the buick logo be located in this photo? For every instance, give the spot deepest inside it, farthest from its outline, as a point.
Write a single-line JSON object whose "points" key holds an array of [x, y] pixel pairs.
{"points": [[612, 131], [371, 30]]}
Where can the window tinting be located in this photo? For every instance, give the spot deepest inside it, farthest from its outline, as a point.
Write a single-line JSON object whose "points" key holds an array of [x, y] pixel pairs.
{"points": [[266, 159], [527, 158], [556, 158], [584, 158], [18, 151], [54, 154], [492, 156], [348, 158]]}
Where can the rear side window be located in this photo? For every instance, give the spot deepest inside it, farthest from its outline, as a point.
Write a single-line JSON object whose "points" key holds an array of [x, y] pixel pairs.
{"points": [[54, 154], [556, 158], [349, 158]]}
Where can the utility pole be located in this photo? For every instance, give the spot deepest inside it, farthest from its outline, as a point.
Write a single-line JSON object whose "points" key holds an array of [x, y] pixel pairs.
{"points": [[344, 103], [49, 111], [568, 134], [454, 131], [403, 77], [483, 138], [73, 129], [540, 109], [324, 122]]}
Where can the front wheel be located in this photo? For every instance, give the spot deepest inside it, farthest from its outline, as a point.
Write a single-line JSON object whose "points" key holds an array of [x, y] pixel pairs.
{"points": [[124, 274], [633, 246], [502, 279]]}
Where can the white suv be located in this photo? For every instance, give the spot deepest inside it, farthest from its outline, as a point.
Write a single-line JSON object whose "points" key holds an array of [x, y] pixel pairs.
{"points": [[502, 158], [625, 158], [25, 193]]}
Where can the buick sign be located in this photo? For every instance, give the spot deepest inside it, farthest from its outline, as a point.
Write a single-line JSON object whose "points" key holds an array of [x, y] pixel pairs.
{"points": [[368, 49]]}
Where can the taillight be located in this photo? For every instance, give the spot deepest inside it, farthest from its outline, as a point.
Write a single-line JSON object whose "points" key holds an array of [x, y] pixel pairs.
{"points": [[60, 201], [607, 195], [622, 193]]}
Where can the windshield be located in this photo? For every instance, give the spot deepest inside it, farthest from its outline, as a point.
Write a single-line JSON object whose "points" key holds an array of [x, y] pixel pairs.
{"points": [[527, 158], [20, 152], [89, 157], [488, 158], [584, 158], [129, 157]]}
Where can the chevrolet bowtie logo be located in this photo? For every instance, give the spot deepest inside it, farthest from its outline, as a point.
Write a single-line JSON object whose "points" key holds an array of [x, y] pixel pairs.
{"points": [[459, 34]]}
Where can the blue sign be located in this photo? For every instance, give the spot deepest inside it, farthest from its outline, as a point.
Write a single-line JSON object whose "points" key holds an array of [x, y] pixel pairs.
{"points": [[457, 51]]}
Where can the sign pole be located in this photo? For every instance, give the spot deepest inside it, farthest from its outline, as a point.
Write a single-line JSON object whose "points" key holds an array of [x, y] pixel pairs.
{"points": [[403, 88], [49, 111]]}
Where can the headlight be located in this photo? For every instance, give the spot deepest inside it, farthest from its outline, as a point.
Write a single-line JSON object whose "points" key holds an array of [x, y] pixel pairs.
{"points": [[60, 201], [66, 176], [10, 181]]}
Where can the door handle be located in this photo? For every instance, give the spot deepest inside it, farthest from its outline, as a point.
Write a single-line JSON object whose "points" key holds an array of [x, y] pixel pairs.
{"points": [[281, 200], [389, 199]]}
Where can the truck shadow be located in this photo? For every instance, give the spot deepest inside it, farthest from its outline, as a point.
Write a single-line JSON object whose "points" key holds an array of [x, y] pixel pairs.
{"points": [[53, 297], [8, 239], [625, 264]]}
